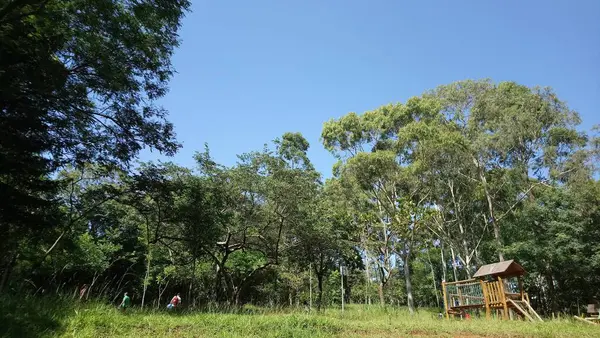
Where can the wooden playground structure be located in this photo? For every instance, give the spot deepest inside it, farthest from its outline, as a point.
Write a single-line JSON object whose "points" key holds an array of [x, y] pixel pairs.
{"points": [[593, 315], [497, 288]]}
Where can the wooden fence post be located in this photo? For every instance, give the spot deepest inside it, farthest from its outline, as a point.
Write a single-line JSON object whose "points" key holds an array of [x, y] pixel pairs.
{"points": [[485, 299], [444, 295]]}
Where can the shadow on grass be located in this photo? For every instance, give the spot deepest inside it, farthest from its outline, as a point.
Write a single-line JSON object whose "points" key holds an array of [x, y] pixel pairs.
{"points": [[32, 317]]}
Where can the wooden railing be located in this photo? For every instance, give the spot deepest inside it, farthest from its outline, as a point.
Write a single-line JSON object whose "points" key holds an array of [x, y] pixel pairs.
{"points": [[494, 292]]}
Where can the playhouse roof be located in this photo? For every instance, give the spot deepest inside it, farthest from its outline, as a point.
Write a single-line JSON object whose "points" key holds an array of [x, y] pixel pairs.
{"points": [[501, 269]]}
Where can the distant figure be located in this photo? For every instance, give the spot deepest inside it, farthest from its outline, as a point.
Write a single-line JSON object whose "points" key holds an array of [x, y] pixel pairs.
{"points": [[125, 303], [176, 301]]}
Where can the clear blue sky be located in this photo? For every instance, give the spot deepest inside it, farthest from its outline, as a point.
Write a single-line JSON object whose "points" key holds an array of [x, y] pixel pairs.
{"points": [[248, 71]]}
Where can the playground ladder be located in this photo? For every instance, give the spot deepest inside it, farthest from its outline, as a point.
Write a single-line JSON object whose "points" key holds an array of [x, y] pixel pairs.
{"points": [[525, 309]]}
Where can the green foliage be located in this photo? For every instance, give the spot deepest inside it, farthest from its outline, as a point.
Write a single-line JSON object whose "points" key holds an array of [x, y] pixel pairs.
{"points": [[423, 191], [79, 85]]}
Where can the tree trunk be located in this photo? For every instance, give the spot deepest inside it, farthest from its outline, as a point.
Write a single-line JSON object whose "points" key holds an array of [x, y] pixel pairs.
{"points": [[146, 278], [380, 291], [467, 265], [465, 247], [191, 300], [443, 262], [320, 286], [310, 304], [7, 271], [498, 240], [238, 296], [454, 264], [218, 288], [160, 293], [409, 294], [496, 227], [551, 292], [468, 269], [367, 275], [437, 298]]}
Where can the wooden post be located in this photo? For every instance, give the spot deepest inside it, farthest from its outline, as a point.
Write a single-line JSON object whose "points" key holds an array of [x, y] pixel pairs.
{"points": [[445, 303], [486, 299], [521, 288], [503, 298]]}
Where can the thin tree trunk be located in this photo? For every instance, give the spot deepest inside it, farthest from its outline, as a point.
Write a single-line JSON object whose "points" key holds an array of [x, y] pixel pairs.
{"points": [[191, 300], [437, 298], [367, 273], [386, 255], [551, 292], [8, 270], [468, 268], [443, 261], [320, 286], [238, 295], [310, 286], [218, 289], [146, 277], [160, 293], [407, 279], [380, 292], [454, 264], [495, 225]]}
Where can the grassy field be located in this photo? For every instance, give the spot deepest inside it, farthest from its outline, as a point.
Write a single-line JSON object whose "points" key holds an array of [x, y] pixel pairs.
{"points": [[60, 318]]}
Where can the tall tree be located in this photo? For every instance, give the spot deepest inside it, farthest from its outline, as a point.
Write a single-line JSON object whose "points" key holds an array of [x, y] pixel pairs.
{"points": [[508, 133], [79, 84]]}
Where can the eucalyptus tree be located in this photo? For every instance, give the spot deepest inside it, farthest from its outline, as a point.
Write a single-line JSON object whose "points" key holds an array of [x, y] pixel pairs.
{"points": [[388, 175], [510, 135]]}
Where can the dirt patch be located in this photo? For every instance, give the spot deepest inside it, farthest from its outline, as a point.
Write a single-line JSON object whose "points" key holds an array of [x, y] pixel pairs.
{"points": [[423, 333], [387, 333]]}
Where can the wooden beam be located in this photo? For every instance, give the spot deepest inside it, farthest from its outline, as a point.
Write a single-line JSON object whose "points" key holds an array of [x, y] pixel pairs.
{"points": [[486, 299], [585, 320], [461, 281], [520, 309], [445, 301]]}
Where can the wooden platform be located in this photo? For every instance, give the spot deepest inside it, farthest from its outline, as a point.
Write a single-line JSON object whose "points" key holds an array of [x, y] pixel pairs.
{"points": [[589, 320]]}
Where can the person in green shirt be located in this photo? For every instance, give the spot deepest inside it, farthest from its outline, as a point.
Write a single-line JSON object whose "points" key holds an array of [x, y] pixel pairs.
{"points": [[126, 302]]}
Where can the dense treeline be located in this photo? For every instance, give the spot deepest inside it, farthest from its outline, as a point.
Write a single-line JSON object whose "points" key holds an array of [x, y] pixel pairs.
{"points": [[424, 191]]}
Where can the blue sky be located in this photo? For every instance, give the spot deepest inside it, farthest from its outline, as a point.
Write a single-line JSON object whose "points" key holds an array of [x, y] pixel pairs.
{"points": [[248, 71]]}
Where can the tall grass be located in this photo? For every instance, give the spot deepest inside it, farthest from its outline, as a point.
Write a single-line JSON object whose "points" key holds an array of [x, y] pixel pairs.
{"points": [[55, 317]]}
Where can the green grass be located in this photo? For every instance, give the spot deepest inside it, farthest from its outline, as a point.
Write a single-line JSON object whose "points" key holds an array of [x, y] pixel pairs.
{"points": [[61, 318]]}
